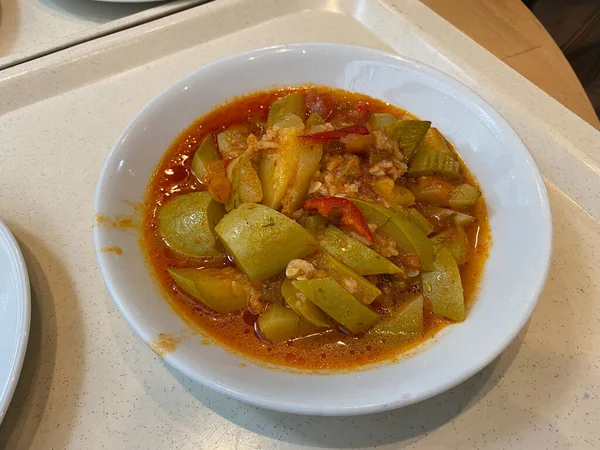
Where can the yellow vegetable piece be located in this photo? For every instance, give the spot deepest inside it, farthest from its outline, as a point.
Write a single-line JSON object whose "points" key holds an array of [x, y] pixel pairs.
{"points": [[384, 185], [443, 287], [354, 254], [279, 323], [213, 287], [187, 223], [302, 306], [218, 185], [393, 194], [263, 241], [309, 157], [338, 303], [405, 321], [206, 153], [357, 142], [279, 165], [401, 196], [358, 286], [432, 190]]}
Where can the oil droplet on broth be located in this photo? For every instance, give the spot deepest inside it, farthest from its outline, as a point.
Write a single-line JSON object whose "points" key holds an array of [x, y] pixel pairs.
{"points": [[249, 318], [176, 173]]}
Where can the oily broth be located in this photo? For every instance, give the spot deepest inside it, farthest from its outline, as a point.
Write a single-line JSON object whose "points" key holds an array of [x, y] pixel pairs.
{"points": [[334, 349]]}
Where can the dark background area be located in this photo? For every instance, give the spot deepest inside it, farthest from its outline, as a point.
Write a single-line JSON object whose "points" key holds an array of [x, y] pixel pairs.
{"points": [[575, 26]]}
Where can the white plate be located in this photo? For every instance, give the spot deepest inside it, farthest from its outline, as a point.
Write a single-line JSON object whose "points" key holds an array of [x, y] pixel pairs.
{"points": [[519, 215], [15, 310]]}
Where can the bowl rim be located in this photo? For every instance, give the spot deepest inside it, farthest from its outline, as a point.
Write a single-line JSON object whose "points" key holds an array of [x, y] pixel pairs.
{"points": [[22, 287], [475, 99]]}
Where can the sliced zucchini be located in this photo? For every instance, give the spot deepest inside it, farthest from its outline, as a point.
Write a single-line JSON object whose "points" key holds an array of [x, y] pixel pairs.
{"points": [[207, 152], [409, 238], [443, 287], [187, 224], [290, 104], [339, 304], [354, 254], [431, 162], [435, 141], [463, 196], [214, 288], [302, 306], [409, 134], [358, 286], [279, 323], [420, 221], [262, 241], [405, 321], [378, 121], [455, 240]]}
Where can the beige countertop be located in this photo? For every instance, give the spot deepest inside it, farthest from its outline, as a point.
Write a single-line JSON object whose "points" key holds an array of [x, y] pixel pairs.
{"points": [[29, 29]]}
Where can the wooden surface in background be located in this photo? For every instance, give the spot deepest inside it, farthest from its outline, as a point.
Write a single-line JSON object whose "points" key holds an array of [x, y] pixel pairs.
{"points": [[512, 33]]}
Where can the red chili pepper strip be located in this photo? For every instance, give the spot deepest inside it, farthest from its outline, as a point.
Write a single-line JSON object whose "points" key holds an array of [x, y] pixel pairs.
{"points": [[337, 134], [351, 217], [325, 135], [356, 129]]}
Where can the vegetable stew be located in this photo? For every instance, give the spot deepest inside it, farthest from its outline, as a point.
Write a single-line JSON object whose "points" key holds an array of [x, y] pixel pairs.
{"points": [[316, 228]]}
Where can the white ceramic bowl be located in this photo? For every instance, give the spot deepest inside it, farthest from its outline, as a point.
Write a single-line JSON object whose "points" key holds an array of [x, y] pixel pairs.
{"points": [[517, 201]]}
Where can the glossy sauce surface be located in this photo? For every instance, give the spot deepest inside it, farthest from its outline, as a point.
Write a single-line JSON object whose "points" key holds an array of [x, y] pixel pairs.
{"points": [[333, 349]]}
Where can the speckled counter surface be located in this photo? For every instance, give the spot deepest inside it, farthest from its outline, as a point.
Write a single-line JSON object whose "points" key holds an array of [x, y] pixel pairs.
{"points": [[89, 382], [29, 29]]}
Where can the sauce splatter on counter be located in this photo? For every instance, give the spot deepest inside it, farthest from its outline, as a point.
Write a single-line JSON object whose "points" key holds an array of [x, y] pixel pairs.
{"points": [[165, 343], [121, 222]]}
